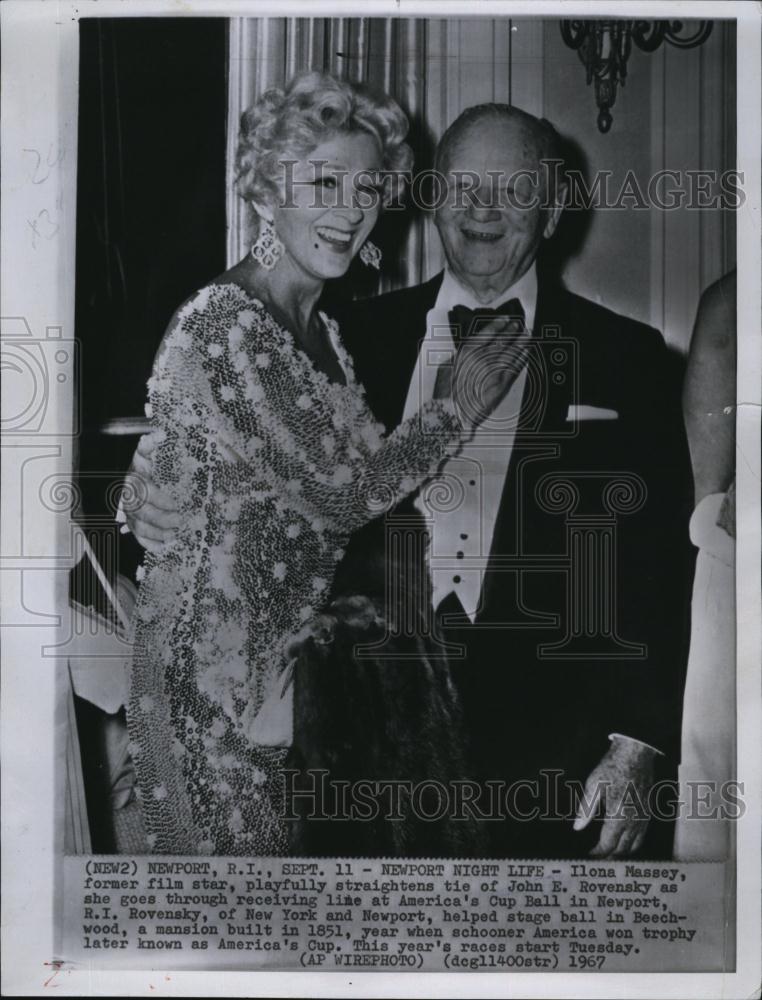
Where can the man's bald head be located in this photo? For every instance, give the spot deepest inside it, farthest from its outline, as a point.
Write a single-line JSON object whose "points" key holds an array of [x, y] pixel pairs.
{"points": [[536, 132]]}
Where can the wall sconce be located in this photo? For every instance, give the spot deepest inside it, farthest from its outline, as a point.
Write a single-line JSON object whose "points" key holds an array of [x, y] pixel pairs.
{"points": [[605, 46]]}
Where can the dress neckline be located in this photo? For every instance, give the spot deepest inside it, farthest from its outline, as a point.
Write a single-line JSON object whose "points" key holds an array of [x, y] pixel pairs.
{"points": [[331, 327]]}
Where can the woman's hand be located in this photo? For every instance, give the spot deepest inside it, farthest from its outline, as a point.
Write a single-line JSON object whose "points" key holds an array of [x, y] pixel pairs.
{"points": [[485, 367]]}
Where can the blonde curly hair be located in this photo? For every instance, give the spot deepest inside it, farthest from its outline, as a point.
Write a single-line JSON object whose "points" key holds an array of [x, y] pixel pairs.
{"points": [[313, 106]]}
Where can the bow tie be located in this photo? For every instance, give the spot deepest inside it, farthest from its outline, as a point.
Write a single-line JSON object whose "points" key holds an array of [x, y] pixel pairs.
{"points": [[466, 322]]}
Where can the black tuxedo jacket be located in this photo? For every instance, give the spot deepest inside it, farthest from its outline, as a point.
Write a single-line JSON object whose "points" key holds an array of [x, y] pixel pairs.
{"points": [[566, 648]]}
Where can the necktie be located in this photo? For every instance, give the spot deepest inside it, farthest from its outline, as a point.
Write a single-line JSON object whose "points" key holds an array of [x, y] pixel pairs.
{"points": [[466, 322]]}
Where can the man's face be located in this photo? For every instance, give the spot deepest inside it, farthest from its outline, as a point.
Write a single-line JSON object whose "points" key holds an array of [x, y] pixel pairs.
{"points": [[492, 241]]}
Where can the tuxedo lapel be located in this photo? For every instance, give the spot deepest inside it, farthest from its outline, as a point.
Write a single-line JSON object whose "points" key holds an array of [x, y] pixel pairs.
{"points": [[384, 335], [412, 330], [549, 390], [553, 367]]}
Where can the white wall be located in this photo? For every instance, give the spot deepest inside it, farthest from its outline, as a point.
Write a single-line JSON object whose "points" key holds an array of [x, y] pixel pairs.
{"points": [[677, 111]]}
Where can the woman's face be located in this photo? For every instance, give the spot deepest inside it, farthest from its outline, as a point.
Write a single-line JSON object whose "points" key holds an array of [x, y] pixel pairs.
{"points": [[331, 200]]}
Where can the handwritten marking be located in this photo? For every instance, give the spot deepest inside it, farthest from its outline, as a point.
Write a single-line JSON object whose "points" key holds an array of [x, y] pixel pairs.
{"points": [[54, 157], [56, 966], [42, 218]]}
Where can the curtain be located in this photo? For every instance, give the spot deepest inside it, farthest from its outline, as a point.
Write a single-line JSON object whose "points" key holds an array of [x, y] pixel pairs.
{"points": [[432, 67]]}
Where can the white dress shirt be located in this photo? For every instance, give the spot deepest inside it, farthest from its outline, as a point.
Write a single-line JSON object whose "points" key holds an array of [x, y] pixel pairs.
{"points": [[461, 504]]}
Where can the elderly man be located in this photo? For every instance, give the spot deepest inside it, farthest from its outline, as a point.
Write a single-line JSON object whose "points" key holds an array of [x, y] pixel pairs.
{"points": [[550, 699], [558, 556]]}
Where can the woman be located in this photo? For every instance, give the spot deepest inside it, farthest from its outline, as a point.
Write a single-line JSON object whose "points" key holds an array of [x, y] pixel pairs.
{"points": [[268, 450]]}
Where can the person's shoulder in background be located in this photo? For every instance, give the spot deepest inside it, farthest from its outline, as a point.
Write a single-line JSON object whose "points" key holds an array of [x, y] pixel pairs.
{"points": [[717, 309]]}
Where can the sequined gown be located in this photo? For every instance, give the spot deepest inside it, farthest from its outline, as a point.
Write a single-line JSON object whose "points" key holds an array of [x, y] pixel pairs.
{"points": [[272, 466]]}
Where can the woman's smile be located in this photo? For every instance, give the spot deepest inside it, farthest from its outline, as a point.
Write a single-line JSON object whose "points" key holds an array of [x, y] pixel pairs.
{"points": [[339, 240]]}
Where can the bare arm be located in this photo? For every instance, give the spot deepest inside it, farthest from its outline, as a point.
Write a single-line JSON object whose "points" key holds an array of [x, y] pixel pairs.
{"points": [[709, 393]]}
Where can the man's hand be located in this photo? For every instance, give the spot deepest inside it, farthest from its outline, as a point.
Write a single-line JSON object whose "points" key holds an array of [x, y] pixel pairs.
{"points": [[620, 783], [156, 520]]}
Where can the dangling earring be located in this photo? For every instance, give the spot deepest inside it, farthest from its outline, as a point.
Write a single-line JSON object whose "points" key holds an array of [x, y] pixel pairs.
{"points": [[267, 249], [370, 255]]}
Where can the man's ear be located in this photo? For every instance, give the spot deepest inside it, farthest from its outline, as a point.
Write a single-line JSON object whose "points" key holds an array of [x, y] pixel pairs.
{"points": [[554, 211]]}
